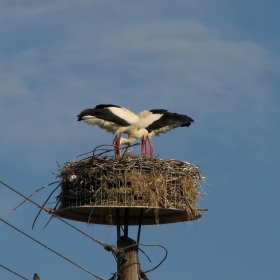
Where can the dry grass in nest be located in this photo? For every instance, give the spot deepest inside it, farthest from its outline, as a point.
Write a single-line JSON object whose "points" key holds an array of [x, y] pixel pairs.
{"points": [[130, 182]]}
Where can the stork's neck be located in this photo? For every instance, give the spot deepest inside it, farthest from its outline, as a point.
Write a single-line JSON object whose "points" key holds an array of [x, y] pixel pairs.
{"points": [[138, 133], [127, 141]]}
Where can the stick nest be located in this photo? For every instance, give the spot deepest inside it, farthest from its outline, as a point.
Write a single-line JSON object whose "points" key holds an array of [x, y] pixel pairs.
{"points": [[131, 181]]}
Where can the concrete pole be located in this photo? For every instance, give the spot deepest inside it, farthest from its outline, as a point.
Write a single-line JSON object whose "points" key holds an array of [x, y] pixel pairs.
{"points": [[129, 270]]}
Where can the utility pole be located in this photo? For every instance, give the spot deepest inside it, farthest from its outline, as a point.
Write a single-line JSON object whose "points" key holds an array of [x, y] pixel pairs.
{"points": [[129, 270]]}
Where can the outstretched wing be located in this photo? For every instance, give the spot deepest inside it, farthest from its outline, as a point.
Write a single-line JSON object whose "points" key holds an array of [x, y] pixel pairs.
{"points": [[113, 118], [158, 121]]}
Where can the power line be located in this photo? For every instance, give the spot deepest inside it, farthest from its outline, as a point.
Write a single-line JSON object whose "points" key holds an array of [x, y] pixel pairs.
{"points": [[50, 211], [33, 239], [111, 248], [107, 247], [13, 272]]}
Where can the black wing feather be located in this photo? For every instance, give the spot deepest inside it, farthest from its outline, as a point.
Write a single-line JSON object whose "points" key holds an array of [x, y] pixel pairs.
{"points": [[169, 119], [103, 112]]}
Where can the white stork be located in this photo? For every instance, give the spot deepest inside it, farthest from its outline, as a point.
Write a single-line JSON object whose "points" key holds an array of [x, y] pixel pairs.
{"points": [[144, 125]]}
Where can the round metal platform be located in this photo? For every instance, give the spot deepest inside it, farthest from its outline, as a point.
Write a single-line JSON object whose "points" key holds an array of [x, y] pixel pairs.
{"points": [[108, 215]]}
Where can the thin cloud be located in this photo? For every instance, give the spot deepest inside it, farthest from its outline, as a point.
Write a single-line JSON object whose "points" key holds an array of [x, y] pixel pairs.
{"points": [[193, 66]]}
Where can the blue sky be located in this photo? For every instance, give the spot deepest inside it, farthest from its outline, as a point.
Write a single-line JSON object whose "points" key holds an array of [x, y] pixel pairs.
{"points": [[216, 61]]}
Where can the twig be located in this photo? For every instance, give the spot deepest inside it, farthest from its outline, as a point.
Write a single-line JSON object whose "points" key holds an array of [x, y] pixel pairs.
{"points": [[34, 193], [44, 205]]}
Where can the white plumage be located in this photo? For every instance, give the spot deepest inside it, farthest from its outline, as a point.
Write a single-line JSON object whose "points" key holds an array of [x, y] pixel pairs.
{"points": [[144, 125]]}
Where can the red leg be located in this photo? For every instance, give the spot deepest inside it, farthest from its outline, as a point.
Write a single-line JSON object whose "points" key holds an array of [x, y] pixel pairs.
{"points": [[146, 149], [117, 145], [151, 147], [144, 146]]}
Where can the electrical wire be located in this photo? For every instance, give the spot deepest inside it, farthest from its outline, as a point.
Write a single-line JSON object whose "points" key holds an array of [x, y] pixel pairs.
{"points": [[106, 246], [40, 243], [13, 272], [50, 211]]}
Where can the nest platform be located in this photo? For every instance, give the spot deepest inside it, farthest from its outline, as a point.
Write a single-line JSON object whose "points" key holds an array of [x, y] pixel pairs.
{"points": [[101, 190]]}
